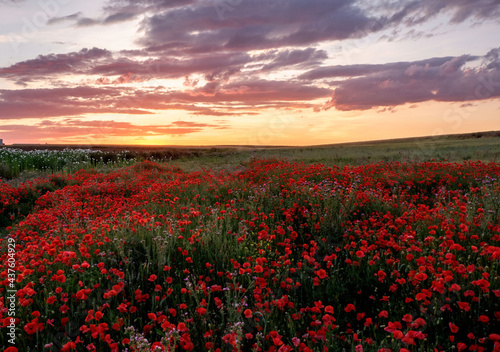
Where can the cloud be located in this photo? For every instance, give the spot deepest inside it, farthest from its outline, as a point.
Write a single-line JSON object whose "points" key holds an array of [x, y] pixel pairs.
{"points": [[252, 25], [186, 37], [366, 69], [117, 11], [78, 129], [407, 13], [392, 84], [56, 102], [231, 93], [460, 10], [12, 2], [119, 17], [244, 97], [86, 22], [45, 66], [300, 58], [195, 26], [259, 90], [110, 69], [72, 17], [231, 56], [168, 67], [102, 62], [260, 24]]}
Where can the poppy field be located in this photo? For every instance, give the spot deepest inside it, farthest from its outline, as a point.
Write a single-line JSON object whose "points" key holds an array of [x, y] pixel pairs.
{"points": [[279, 256]]}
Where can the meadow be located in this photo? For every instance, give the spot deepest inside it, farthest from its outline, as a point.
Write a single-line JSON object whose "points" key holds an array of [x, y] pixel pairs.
{"points": [[22, 162], [392, 248]]}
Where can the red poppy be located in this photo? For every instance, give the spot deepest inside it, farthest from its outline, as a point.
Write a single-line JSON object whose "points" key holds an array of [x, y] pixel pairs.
{"points": [[383, 314], [483, 319], [69, 346], [321, 273], [247, 313], [349, 308], [98, 315], [464, 306]]}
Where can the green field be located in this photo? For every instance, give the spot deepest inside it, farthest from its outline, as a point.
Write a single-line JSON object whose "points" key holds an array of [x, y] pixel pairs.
{"points": [[26, 161], [453, 148]]}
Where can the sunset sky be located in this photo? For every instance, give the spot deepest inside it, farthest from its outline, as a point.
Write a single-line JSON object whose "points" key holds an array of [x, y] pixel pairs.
{"points": [[246, 72]]}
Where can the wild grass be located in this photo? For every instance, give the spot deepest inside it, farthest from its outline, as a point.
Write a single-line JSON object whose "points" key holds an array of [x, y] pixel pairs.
{"points": [[31, 161], [451, 148]]}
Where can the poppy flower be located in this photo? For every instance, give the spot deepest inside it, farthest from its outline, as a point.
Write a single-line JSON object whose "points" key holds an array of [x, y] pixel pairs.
{"points": [[321, 273], [247, 313], [464, 306], [68, 346], [453, 328], [349, 308], [483, 319], [258, 269], [383, 314]]}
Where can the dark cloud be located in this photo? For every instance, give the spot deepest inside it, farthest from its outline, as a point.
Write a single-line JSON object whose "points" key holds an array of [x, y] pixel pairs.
{"points": [[80, 21], [230, 99], [56, 102], [492, 59], [100, 62], [185, 37], [229, 53], [117, 11], [259, 90], [459, 10], [366, 69], [240, 25], [86, 22], [230, 93], [299, 58], [251, 25], [392, 84], [45, 66], [262, 24], [115, 6], [168, 67], [119, 17], [409, 13], [73, 17]]}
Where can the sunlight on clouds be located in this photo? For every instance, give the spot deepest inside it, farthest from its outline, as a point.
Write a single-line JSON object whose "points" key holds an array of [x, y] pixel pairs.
{"points": [[262, 73]]}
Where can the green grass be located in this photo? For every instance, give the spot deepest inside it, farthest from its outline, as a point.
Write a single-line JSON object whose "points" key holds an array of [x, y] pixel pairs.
{"points": [[30, 162], [451, 148]]}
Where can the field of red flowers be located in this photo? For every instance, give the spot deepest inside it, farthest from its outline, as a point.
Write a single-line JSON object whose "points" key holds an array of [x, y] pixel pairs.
{"points": [[278, 257]]}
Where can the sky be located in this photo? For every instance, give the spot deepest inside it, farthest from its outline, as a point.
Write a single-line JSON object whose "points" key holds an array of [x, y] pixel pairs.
{"points": [[246, 72]]}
